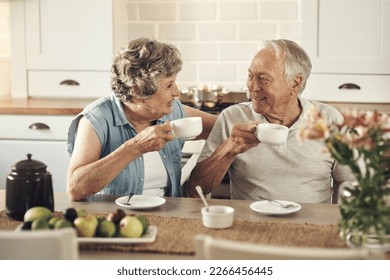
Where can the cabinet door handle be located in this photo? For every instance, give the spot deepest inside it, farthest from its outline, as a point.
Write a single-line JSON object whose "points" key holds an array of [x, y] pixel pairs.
{"points": [[349, 86], [39, 126], [69, 83]]}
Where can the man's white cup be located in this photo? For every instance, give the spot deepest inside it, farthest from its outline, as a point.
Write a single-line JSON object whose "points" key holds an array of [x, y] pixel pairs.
{"points": [[272, 133], [187, 128]]}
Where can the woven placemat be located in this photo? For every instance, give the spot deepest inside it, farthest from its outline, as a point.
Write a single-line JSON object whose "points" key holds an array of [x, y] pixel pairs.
{"points": [[176, 235]]}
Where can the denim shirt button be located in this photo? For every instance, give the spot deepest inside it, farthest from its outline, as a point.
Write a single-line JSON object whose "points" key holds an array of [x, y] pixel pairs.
{"points": [[142, 179]]}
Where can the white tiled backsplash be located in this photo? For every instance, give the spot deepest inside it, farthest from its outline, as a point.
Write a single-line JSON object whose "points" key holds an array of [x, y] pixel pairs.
{"points": [[216, 38]]}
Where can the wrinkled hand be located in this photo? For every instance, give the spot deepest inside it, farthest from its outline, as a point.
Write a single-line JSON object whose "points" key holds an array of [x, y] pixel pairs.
{"points": [[243, 137], [153, 138]]}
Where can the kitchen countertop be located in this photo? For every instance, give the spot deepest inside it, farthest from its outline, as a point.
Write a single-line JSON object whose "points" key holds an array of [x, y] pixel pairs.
{"points": [[380, 107], [44, 106]]}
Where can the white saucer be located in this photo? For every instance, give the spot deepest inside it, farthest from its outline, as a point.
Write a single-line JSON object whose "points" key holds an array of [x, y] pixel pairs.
{"points": [[272, 208], [140, 201]]}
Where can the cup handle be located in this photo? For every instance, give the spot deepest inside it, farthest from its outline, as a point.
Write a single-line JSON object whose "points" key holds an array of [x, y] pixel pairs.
{"points": [[173, 129]]}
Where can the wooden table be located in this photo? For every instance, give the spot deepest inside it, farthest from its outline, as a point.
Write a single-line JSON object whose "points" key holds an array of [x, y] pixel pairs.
{"points": [[188, 207]]}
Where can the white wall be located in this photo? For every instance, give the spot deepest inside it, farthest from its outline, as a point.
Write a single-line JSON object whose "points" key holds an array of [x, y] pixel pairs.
{"points": [[5, 52], [216, 38]]}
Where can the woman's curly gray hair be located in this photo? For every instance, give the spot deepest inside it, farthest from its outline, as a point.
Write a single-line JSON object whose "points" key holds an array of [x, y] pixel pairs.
{"points": [[137, 68]]}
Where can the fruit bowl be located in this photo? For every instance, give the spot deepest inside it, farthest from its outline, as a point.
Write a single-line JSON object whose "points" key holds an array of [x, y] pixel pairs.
{"points": [[116, 227], [148, 237]]}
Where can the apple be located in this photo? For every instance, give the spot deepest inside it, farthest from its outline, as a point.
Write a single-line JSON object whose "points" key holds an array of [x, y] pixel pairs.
{"points": [[81, 212], [63, 223], [37, 212], [106, 229], [130, 226], [144, 221], [52, 221], [86, 226], [40, 224]]}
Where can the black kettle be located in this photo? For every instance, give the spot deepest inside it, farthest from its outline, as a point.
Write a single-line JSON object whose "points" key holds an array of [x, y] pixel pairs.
{"points": [[28, 185]]}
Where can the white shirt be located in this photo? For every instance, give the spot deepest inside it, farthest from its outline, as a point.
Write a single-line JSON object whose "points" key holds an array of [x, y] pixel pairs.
{"points": [[156, 176], [299, 171]]}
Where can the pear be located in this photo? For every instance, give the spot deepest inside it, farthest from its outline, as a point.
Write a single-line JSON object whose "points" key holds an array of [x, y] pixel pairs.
{"points": [[37, 212], [130, 226], [86, 226]]}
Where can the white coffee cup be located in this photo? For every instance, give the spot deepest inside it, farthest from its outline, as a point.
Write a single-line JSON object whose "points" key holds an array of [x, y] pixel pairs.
{"points": [[187, 128], [272, 133], [217, 216]]}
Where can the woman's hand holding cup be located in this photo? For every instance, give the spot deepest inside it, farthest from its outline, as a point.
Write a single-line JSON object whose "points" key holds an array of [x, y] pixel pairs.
{"points": [[153, 138], [187, 128]]}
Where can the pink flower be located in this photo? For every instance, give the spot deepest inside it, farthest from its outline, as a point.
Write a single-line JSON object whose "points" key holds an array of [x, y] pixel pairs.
{"points": [[360, 130]]}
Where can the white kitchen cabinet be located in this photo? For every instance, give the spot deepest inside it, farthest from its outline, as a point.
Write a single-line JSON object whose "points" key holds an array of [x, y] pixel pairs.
{"points": [[348, 42], [63, 84], [326, 87], [42, 136], [63, 48], [69, 34]]}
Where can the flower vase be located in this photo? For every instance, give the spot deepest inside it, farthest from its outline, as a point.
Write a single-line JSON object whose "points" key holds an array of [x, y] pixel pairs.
{"points": [[364, 215]]}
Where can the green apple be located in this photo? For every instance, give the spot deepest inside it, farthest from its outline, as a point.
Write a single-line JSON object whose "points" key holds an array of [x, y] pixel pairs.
{"points": [[81, 212], [52, 221], [106, 229], [37, 212], [86, 226], [39, 224], [130, 226], [63, 223], [144, 221]]}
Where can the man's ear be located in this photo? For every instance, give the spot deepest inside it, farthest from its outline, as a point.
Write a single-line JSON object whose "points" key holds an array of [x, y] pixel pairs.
{"points": [[297, 83]]}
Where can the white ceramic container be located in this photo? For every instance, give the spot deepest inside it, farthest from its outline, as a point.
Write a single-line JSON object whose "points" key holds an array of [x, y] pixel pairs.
{"points": [[217, 216]]}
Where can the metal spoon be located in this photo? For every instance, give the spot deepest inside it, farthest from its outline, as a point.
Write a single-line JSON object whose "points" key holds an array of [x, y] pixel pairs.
{"points": [[281, 204], [200, 192], [128, 199]]}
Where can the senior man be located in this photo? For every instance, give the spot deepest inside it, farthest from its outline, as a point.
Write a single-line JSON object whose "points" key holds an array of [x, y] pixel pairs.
{"points": [[298, 171]]}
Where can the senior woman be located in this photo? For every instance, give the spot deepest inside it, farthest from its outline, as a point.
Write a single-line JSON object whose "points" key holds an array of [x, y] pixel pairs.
{"points": [[122, 143]]}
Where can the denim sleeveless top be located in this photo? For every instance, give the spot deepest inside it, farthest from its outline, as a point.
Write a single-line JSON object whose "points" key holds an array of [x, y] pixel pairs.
{"points": [[108, 119]]}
